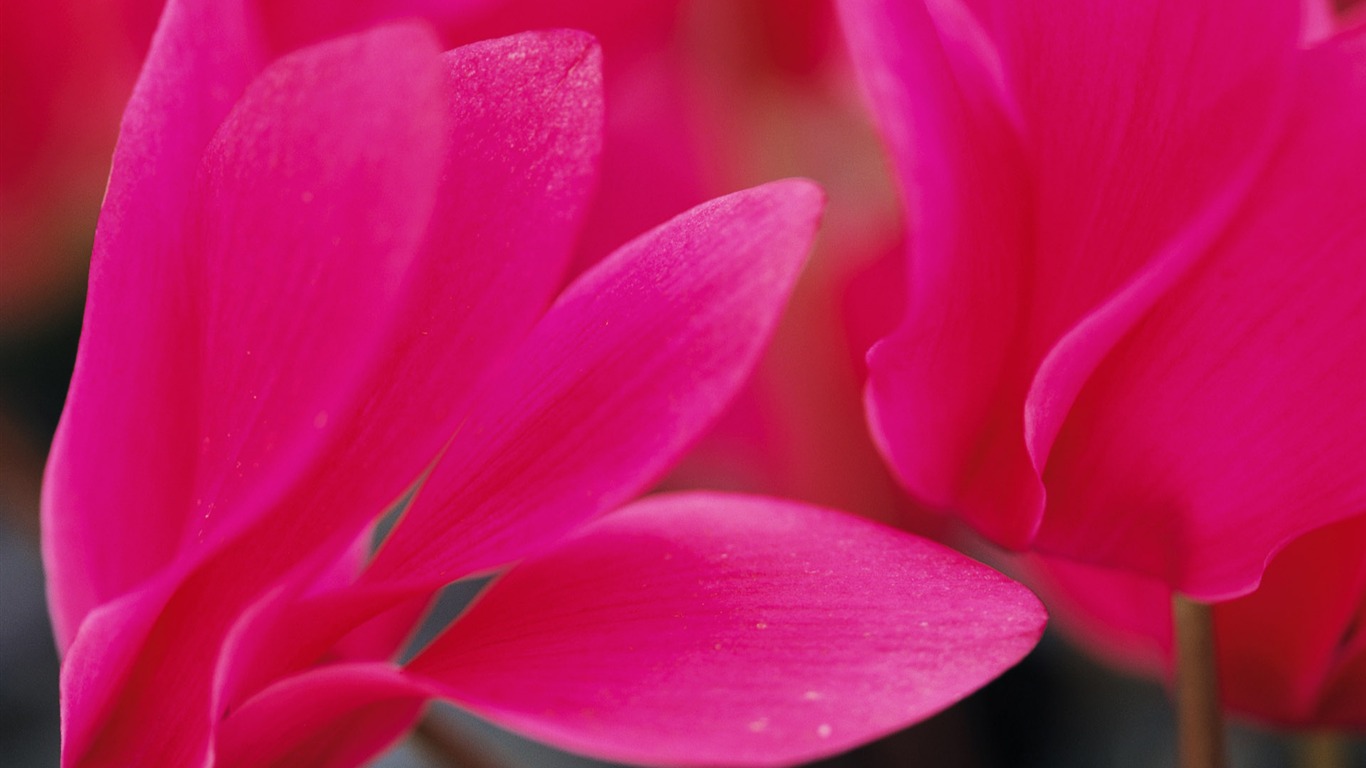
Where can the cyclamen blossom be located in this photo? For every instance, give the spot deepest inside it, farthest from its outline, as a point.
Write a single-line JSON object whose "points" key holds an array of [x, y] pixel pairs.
{"points": [[1136, 324], [318, 292], [682, 125]]}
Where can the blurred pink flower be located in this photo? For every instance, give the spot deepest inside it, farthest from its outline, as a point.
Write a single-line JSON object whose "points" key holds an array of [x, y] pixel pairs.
{"points": [[769, 93], [1293, 653], [1136, 332], [66, 68], [319, 291]]}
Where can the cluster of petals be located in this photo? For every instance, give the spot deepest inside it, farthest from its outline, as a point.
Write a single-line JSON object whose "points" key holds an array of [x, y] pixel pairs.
{"points": [[328, 291], [1135, 334]]}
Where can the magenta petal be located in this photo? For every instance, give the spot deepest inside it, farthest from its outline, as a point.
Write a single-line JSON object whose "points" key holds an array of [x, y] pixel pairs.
{"points": [[330, 219], [1284, 649], [1151, 201], [935, 383], [119, 475], [105, 646], [525, 134], [1032, 207], [1318, 22], [1233, 416], [381, 637], [627, 368], [704, 629], [1126, 111], [330, 620], [521, 150], [289, 634], [542, 123], [335, 717], [281, 206]]}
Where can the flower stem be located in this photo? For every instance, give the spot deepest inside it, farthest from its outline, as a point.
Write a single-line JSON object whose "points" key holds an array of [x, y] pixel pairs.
{"points": [[1200, 725], [1321, 749]]}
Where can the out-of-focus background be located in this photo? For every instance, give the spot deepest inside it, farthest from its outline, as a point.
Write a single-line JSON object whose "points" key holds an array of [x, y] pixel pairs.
{"points": [[705, 97]]}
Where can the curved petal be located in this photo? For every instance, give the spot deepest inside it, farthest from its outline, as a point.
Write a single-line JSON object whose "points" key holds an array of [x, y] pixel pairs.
{"points": [[122, 459], [1233, 416], [705, 629], [937, 91], [528, 103], [628, 367], [1320, 21], [1285, 646], [526, 114], [306, 621], [335, 717], [270, 173], [1106, 191], [288, 634], [332, 220], [106, 645], [1113, 185]]}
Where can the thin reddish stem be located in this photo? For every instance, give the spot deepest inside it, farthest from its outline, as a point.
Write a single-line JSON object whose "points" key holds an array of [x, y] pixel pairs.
{"points": [[1200, 721]]}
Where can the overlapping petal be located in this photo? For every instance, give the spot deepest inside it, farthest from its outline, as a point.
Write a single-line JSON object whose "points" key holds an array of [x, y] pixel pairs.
{"points": [[652, 166], [333, 220], [418, 212], [1090, 324], [550, 150], [1230, 418], [122, 459], [544, 157], [630, 365], [1047, 208], [709, 284], [268, 141], [526, 113], [938, 96], [336, 716], [782, 631]]}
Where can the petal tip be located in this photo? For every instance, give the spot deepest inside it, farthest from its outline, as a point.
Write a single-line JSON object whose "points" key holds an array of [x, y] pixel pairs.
{"points": [[803, 194]]}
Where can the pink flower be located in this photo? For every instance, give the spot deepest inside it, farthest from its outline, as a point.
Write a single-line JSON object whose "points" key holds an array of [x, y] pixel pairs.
{"points": [[319, 292], [1293, 653], [1136, 332]]}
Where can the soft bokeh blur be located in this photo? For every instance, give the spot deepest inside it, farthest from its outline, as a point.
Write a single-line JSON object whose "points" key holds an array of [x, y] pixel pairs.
{"points": [[763, 91]]}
